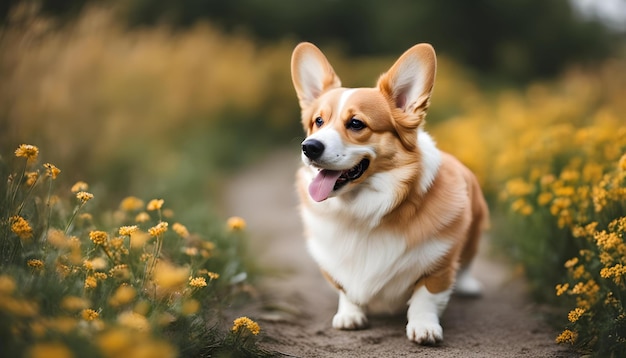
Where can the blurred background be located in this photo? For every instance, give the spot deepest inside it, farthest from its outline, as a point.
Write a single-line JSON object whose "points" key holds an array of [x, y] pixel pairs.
{"points": [[165, 99]]}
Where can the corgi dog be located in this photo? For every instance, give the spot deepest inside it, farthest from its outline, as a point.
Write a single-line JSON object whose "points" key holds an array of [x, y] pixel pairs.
{"points": [[392, 221]]}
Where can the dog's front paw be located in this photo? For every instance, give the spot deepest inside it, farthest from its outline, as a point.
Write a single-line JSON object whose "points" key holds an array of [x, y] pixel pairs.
{"points": [[424, 332], [350, 320]]}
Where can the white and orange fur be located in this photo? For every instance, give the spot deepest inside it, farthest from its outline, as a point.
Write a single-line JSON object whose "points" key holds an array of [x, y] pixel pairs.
{"points": [[403, 224]]}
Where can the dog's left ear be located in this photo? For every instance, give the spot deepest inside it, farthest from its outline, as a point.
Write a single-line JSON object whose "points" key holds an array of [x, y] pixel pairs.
{"points": [[409, 82], [311, 73]]}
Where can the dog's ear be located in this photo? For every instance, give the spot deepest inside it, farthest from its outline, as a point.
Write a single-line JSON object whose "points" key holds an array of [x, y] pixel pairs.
{"points": [[409, 82], [311, 73]]}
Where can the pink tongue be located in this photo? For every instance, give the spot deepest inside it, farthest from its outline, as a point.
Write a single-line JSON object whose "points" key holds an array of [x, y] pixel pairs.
{"points": [[323, 184]]}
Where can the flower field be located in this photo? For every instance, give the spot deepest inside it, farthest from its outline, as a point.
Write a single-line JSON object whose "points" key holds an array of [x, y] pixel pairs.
{"points": [[553, 160], [120, 283]]}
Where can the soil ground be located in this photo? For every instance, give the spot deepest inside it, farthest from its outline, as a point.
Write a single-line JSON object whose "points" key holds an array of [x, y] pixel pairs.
{"points": [[295, 305]]}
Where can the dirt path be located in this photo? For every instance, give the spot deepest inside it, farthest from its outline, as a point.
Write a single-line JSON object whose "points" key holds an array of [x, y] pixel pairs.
{"points": [[296, 305]]}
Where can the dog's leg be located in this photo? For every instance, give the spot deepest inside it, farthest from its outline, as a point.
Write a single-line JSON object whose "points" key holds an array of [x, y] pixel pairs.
{"points": [[425, 308], [349, 315], [467, 285]]}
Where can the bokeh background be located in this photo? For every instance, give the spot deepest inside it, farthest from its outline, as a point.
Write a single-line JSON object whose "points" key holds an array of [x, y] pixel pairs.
{"points": [[164, 99], [161, 98]]}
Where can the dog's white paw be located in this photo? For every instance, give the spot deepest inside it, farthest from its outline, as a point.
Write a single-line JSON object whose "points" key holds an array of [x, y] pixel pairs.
{"points": [[350, 320], [424, 332]]}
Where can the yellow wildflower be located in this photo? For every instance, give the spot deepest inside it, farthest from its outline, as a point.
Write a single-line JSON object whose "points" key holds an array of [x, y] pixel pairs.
{"points": [[159, 229], [131, 203], [21, 228], [133, 320], [7, 284], [181, 230], [79, 186], [49, 350], [51, 170], [567, 336], [142, 307], [117, 243], [575, 314], [571, 262], [569, 175], [616, 272], [74, 303], [247, 323], [561, 289], [546, 180], [120, 272], [123, 295], [518, 187], [99, 237], [138, 239], [605, 258], [169, 276], [84, 196], [57, 238], [30, 152], [31, 178], [607, 241], [544, 198], [565, 191], [155, 204], [91, 282], [128, 230], [197, 282], [35, 263], [235, 223], [89, 314], [114, 341], [578, 272], [190, 251], [100, 276], [142, 217], [189, 307], [213, 275], [18, 307]]}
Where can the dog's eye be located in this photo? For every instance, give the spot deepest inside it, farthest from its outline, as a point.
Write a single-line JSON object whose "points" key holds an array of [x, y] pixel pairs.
{"points": [[319, 121], [355, 124]]}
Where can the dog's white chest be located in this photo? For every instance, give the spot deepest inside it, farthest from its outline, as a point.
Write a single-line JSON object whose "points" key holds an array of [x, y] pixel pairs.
{"points": [[373, 267]]}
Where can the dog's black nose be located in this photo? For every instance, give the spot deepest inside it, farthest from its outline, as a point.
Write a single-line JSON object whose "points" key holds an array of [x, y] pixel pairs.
{"points": [[312, 148]]}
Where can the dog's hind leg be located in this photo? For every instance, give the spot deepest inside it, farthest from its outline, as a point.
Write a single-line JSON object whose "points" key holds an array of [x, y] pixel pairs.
{"points": [[466, 284]]}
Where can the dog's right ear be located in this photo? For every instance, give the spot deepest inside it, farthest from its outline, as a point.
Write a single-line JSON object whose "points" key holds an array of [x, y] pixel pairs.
{"points": [[311, 73]]}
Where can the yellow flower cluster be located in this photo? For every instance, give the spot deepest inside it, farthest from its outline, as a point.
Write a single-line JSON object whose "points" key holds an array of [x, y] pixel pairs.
{"points": [[158, 229], [84, 196], [51, 170], [197, 282], [21, 228], [155, 204], [35, 263], [30, 152], [99, 237], [245, 323], [236, 223], [567, 336]]}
